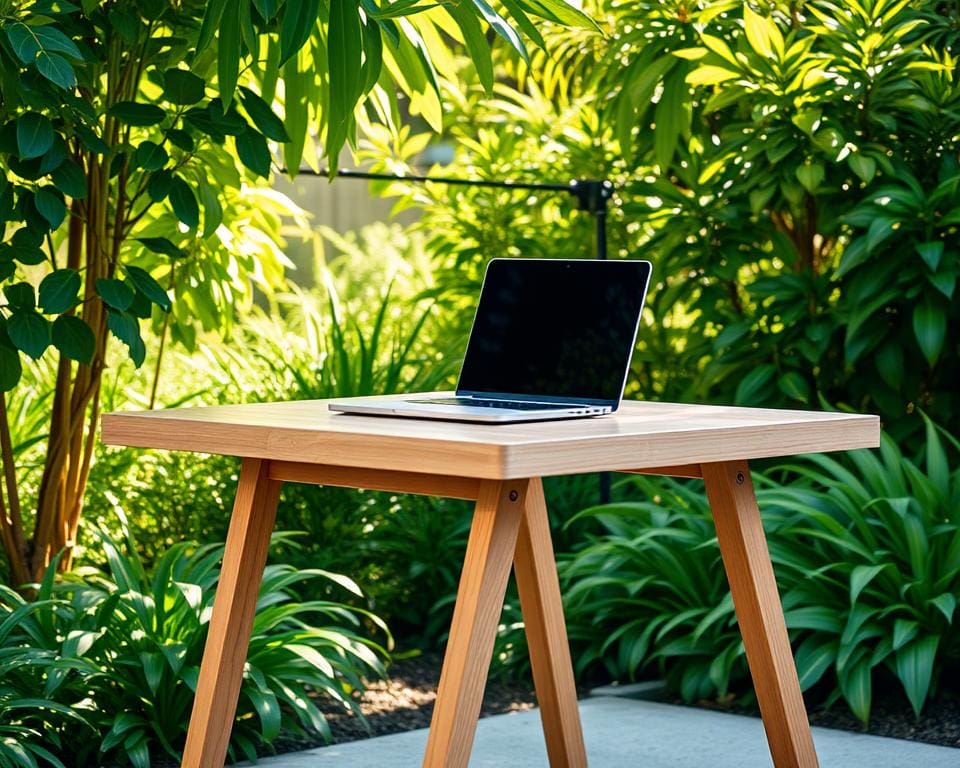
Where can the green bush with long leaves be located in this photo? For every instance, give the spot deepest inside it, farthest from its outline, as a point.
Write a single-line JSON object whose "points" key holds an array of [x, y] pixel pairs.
{"points": [[867, 555], [122, 648]]}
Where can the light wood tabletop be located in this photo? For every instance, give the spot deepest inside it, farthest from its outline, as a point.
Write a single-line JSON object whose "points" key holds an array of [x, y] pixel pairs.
{"points": [[639, 435], [500, 468]]}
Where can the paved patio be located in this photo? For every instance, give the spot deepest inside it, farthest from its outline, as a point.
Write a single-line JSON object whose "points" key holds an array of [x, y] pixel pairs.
{"points": [[624, 732]]}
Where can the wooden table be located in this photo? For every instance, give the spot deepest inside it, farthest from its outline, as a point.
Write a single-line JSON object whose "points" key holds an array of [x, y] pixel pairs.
{"points": [[499, 467]]}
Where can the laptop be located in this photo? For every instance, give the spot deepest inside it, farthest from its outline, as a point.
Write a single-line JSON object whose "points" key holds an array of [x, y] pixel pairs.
{"points": [[551, 339]]}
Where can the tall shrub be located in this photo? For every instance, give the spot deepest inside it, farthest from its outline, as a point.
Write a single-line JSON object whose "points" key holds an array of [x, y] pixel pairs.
{"points": [[118, 174]]}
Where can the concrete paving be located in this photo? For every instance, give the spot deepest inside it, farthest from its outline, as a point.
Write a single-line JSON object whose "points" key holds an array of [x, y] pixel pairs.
{"points": [[622, 732]]}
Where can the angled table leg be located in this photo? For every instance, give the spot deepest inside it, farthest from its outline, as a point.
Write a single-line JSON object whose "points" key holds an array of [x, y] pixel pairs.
{"points": [[228, 638], [746, 559], [483, 582], [539, 588]]}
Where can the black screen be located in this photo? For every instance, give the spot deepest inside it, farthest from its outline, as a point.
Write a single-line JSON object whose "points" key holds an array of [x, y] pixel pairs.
{"points": [[555, 328]]}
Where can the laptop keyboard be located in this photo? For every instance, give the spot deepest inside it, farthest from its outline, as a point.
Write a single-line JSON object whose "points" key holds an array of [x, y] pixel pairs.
{"points": [[513, 405]]}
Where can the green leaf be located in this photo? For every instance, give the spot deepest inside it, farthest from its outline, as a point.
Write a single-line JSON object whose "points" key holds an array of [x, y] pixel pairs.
{"points": [[794, 386], [144, 282], [162, 246], [210, 24], [125, 327], [51, 206], [499, 25], [253, 152], [671, 115], [930, 253], [57, 70], [561, 12], [184, 203], [811, 176], [930, 329], [262, 115], [135, 113], [855, 684], [762, 34], [115, 293], [865, 167], [914, 665], [228, 52], [10, 368], [344, 51], [466, 17], [70, 180], [34, 135], [212, 210], [73, 337], [20, 295], [296, 26], [29, 331], [28, 41], [180, 86], [904, 630], [753, 385], [58, 291], [860, 577], [150, 156], [159, 185]]}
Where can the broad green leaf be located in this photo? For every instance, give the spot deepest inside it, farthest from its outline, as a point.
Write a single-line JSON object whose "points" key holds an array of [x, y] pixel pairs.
{"points": [[212, 209], [561, 12], [904, 630], [124, 326], [763, 34], [262, 115], [162, 246], [914, 664], [855, 683], [180, 86], [58, 291], [466, 17], [672, 115], [794, 386], [253, 152], [344, 49], [144, 282], [930, 329], [865, 167], [499, 25], [10, 368], [34, 135], [811, 176], [28, 41], [57, 70], [51, 206], [150, 156], [860, 577], [228, 52], [20, 295], [159, 185], [29, 331], [296, 83], [184, 203], [931, 253], [210, 23], [115, 293], [71, 180], [710, 74], [135, 113], [73, 337], [754, 383], [296, 25]]}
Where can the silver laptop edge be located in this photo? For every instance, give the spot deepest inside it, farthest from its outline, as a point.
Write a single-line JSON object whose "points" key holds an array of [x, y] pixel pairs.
{"points": [[405, 405]]}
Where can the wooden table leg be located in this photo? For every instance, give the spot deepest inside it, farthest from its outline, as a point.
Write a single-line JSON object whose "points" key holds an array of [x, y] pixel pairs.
{"points": [[483, 582], [746, 559], [228, 638], [539, 587]]}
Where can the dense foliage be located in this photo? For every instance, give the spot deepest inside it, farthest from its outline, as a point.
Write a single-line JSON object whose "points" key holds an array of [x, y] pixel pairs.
{"points": [[119, 652]]}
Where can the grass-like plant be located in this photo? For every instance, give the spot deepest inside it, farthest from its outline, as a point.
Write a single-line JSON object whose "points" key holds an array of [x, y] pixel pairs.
{"points": [[129, 643], [867, 554]]}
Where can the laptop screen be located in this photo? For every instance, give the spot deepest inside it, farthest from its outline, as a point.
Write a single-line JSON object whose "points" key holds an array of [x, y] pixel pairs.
{"points": [[555, 328]]}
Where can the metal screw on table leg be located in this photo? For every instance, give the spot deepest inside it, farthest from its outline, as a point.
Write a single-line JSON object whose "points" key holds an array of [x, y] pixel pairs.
{"points": [[514, 495], [739, 478]]}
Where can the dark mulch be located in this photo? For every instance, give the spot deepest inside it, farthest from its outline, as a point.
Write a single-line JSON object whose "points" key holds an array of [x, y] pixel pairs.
{"points": [[890, 715], [404, 702]]}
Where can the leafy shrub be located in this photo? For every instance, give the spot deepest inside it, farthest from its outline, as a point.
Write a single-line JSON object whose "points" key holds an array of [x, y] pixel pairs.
{"points": [[869, 563], [867, 555], [130, 643]]}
